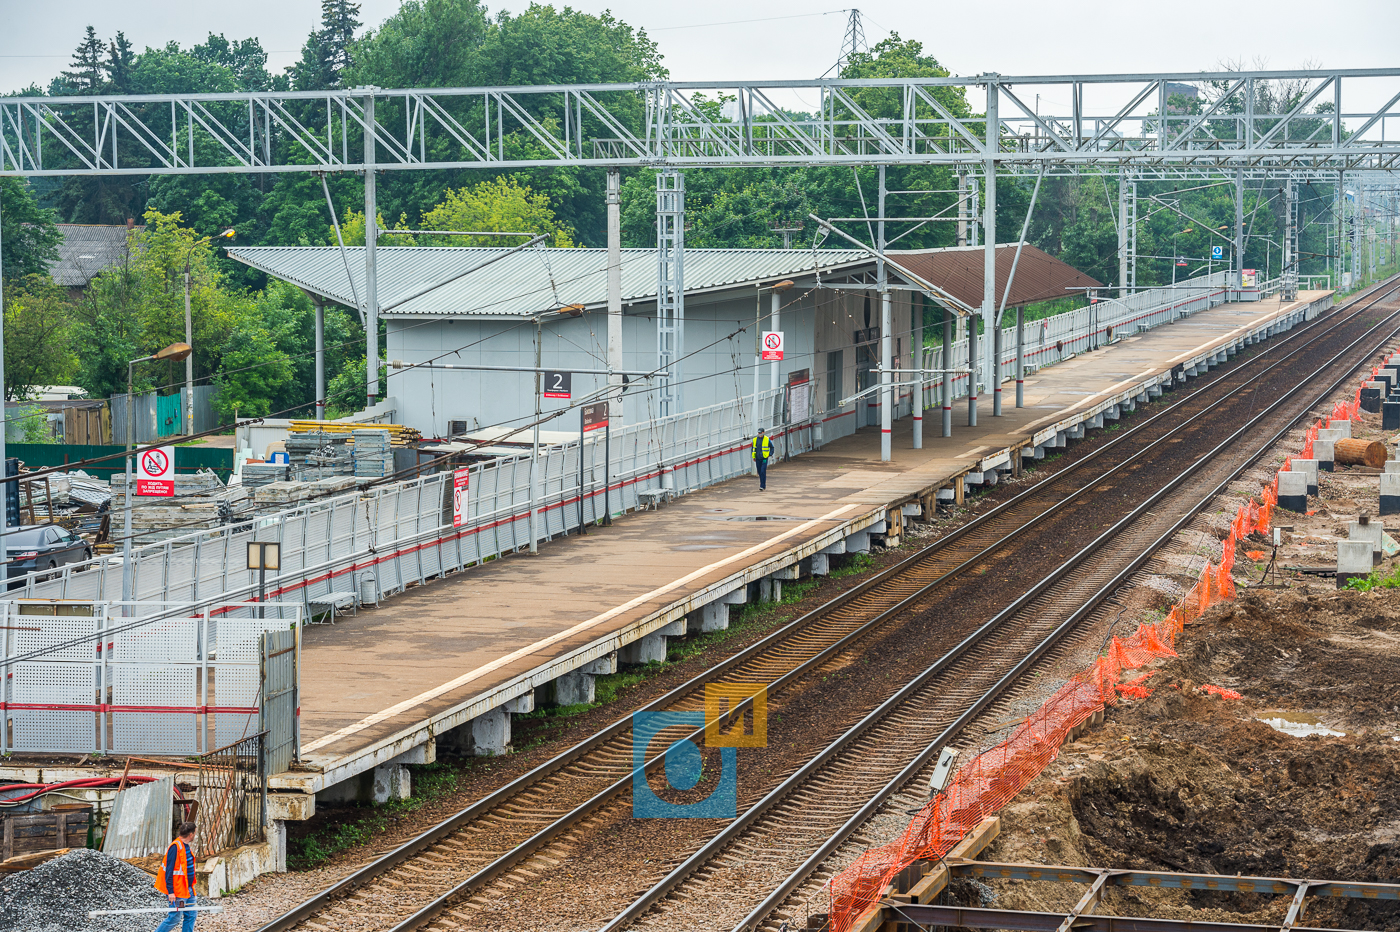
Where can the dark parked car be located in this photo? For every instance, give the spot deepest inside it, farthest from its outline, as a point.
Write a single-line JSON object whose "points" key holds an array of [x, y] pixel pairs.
{"points": [[40, 547]]}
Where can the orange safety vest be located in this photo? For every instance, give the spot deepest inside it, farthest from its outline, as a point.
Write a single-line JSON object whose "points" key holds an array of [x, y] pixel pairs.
{"points": [[179, 864]]}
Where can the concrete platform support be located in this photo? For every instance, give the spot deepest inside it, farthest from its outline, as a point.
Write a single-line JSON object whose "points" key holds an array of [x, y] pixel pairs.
{"points": [[1309, 469], [573, 688], [1293, 491], [1111, 414], [859, 542], [1353, 561], [391, 781], [486, 735], [820, 564], [1390, 493], [652, 647], [1324, 452], [1076, 432]]}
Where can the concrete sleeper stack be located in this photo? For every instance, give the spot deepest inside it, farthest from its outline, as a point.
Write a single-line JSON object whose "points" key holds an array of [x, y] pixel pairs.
{"points": [[373, 457]]}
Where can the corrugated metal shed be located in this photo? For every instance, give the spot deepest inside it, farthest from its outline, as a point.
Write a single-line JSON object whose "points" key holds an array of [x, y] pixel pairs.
{"points": [[527, 282], [958, 270], [87, 249]]}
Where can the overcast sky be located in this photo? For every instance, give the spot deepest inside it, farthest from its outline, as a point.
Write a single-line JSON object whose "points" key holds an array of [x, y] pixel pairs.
{"points": [[790, 41]]}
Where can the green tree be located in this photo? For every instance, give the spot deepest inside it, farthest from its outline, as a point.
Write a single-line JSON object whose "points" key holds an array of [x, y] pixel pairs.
{"points": [[253, 371], [86, 73], [328, 51], [38, 336], [28, 236], [120, 58]]}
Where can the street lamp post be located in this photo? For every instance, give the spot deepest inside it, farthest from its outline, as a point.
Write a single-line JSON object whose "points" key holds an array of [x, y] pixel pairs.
{"points": [[189, 333], [174, 352]]}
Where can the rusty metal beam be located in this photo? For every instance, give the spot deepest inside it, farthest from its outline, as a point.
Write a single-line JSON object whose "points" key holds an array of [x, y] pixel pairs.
{"points": [[1025, 921]]}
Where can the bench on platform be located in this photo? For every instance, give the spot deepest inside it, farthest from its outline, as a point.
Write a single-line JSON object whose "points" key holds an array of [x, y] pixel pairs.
{"points": [[330, 603], [652, 498]]}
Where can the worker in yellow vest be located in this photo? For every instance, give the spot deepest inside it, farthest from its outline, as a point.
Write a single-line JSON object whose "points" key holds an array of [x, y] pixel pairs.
{"points": [[762, 450], [176, 880]]}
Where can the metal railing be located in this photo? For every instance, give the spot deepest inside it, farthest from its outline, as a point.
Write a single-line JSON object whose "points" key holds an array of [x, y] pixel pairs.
{"points": [[232, 796]]}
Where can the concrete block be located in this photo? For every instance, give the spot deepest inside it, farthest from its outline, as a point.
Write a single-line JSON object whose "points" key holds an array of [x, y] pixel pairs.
{"points": [[674, 630], [1353, 561], [573, 688], [972, 478], [291, 807], [944, 495], [1154, 392], [712, 617], [859, 542], [391, 781], [1096, 421], [1390, 493], [912, 510], [425, 753], [766, 585], [821, 563], [1077, 431], [788, 572], [1111, 414], [1371, 395], [1324, 451], [602, 666], [1309, 469], [487, 735], [518, 706], [1390, 415], [740, 596], [1293, 491], [879, 527], [1370, 532], [1129, 405], [1343, 426], [992, 476], [277, 841], [1330, 433], [1392, 465], [648, 648]]}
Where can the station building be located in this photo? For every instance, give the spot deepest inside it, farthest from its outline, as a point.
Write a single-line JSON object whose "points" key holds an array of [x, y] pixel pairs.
{"points": [[505, 312]]}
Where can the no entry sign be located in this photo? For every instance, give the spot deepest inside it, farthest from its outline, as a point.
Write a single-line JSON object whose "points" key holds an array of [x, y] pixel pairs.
{"points": [[460, 480], [772, 345], [155, 472]]}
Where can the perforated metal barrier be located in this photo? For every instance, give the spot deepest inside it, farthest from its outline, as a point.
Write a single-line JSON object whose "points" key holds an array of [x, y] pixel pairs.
{"points": [[127, 678]]}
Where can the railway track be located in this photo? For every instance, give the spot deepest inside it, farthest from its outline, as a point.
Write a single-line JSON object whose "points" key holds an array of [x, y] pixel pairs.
{"points": [[920, 722], [494, 838]]}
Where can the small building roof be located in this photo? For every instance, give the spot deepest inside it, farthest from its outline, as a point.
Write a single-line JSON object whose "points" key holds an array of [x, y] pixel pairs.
{"points": [[524, 283], [87, 249], [958, 271]]}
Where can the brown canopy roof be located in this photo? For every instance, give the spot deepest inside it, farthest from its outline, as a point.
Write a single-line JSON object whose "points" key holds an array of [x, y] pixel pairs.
{"points": [[958, 271]]}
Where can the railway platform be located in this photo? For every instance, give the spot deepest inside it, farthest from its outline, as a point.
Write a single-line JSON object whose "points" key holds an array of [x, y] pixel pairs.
{"points": [[449, 662]]}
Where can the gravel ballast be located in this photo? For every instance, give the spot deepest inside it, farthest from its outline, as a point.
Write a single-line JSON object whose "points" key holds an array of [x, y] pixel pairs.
{"points": [[56, 895]]}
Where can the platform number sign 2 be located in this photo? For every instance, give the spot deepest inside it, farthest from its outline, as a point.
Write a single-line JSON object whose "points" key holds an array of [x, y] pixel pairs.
{"points": [[461, 478], [558, 384], [155, 474], [1217, 253]]}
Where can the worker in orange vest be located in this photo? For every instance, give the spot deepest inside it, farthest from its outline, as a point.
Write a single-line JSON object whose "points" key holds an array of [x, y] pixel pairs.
{"points": [[176, 880]]}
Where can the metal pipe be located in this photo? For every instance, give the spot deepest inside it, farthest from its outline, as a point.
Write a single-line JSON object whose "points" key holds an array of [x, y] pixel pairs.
{"points": [[991, 367], [614, 198], [320, 360], [1020, 356], [400, 364], [886, 325], [920, 362], [189, 360], [371, 271]]}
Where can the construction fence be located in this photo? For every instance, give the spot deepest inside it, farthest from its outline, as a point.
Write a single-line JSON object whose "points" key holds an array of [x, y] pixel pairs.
{"points": [[989, 781]]}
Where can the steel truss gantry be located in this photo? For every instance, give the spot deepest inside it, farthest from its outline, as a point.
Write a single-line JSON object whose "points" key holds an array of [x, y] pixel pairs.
{"points": [[1329, 122], [1111, 119]]}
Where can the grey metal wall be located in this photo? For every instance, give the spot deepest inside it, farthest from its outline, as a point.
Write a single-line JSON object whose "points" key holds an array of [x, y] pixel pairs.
{"points": [[205, 418]]}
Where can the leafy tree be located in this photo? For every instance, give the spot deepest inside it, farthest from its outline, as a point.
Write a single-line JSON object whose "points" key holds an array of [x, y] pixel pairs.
{"points": [[253, 370], [500, 205], [120, 58], [108, 332], [38, 346], [28, 236]]}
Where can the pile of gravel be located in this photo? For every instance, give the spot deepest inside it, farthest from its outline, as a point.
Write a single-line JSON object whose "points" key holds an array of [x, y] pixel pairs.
{"points": [[56, 895]]}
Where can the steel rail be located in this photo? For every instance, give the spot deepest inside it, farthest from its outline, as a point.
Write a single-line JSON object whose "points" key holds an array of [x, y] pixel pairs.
{"points": [[809, 866], [882, 580]]}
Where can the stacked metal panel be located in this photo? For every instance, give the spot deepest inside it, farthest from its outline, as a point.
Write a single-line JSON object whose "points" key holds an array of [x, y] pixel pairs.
{"points": [[318, 454], [373, 457]]}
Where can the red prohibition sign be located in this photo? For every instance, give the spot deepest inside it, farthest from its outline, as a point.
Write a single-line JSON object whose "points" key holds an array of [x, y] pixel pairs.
{"points": [[772, 341], [153, 463]]}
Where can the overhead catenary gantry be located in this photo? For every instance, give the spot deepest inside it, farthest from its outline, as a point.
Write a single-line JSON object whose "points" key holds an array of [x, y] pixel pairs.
{"points": [[1116, 122]]}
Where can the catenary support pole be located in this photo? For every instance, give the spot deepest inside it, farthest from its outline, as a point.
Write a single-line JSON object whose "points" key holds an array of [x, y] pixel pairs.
{"points": [[189, 360], [1122, 234], [614, 398], [996, 367], [371, 271], [1239, 228], [946, 364], [989, 229], [320, 359], [886, 336], [917, 356], [972, 370]]}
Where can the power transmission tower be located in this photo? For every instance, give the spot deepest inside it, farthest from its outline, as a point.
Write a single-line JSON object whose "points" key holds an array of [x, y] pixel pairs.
{"points": [[851, 44]]}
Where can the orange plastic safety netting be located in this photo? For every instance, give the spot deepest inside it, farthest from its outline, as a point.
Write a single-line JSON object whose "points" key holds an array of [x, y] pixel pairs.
{"points": [[989, 781]]}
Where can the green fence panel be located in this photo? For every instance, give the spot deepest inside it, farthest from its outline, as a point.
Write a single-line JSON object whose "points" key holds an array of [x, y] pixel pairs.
{"points": [[169, 420], [46, 455]]}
